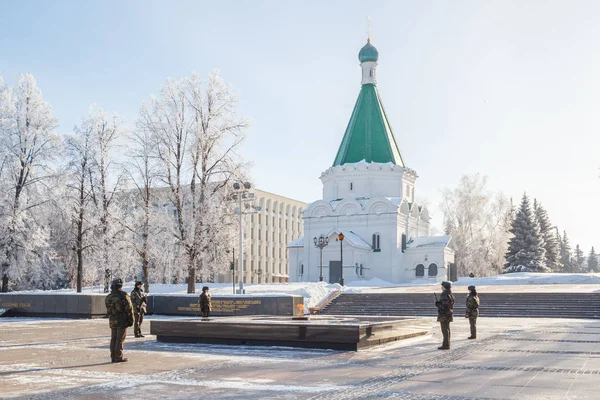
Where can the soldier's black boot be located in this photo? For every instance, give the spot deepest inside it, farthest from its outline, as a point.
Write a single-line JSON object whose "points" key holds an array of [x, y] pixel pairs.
{"points": [[471, 337]]}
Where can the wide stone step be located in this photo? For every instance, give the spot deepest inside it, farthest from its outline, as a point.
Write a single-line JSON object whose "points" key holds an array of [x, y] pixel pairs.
{"points": [[540, 305]]}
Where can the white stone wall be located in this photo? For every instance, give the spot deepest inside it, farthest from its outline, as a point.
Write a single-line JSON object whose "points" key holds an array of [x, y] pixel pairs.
{"points": [[362, 180], [385, 217], [366, 199]]}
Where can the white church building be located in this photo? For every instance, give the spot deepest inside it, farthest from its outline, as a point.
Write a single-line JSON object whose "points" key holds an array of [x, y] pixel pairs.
{"points": [[368, 202]]}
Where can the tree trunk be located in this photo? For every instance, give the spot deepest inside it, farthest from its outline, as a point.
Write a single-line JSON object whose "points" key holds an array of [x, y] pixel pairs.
{"points": [[79, 238], [79, 270], [4, 282], [145, 260], [145, 270], [192, 275]]}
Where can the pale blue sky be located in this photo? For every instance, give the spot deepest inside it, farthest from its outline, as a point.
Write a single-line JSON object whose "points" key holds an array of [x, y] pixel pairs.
{"points": [[506, 89]]}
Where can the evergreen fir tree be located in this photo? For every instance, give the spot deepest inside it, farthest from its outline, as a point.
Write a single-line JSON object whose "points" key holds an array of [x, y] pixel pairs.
{"points": [[548, 235], [579, 260], [565, 254], [525, 249], [592, 261], [559, 243]]}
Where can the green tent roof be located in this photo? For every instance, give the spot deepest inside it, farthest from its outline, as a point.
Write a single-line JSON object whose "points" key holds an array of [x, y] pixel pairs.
{"points": [[368, 136]]}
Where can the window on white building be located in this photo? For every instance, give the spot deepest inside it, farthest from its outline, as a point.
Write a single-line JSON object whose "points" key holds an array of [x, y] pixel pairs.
{"points": [[351, 186], [433, 269], [376, 244], [420, 270], [360, 270]]}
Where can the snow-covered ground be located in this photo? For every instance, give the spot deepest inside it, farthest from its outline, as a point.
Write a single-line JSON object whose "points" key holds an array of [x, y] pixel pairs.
{"points": [[521, 281], [530, 278]]}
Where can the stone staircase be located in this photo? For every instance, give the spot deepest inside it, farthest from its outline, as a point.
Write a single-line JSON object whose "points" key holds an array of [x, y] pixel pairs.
{"points": [[532, 305]]}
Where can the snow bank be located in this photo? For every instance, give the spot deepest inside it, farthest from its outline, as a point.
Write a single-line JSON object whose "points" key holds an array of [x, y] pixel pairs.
{"points": [[532, 278]]}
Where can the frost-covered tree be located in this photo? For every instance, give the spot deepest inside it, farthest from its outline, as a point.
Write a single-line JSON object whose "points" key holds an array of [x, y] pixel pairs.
{"points": [[142, 172], [579, 260], [525, 249], [478, 222], [106, 175], [27, 146], [547, 232], [197, 133], [565, 254], [592, 261], [50, 269], [80, 157]]}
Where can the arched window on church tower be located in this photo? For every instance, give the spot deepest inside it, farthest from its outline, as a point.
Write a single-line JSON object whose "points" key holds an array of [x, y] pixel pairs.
{"points": [[420, 271]]}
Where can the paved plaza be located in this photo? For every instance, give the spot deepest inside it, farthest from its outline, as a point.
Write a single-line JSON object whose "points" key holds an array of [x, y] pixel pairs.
{"points": [[512, 359]]}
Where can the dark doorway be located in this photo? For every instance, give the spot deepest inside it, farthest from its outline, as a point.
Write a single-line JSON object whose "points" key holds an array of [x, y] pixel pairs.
{"points": [[452, 272], [335, 271]]}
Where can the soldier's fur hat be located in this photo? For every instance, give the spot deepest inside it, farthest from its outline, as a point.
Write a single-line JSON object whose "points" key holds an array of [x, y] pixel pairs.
{"points": [[137, 283], [117, 283], [205, 288], [471, 287], [447, 285]]}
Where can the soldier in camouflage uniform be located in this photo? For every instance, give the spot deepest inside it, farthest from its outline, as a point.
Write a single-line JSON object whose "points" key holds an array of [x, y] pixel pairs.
{"points": [[120, 314], [138, 300], [204, 301], [445, 306], [472, 311]]}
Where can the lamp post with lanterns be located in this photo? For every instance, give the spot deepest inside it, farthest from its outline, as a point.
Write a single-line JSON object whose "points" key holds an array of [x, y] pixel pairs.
{"points": [[320, 243], [341, 239], [245, 205]]}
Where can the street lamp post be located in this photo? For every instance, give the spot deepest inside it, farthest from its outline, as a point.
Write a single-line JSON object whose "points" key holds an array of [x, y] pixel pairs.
{"points": [[321, 242], [242, 195], [233, 271], [341, 239]]}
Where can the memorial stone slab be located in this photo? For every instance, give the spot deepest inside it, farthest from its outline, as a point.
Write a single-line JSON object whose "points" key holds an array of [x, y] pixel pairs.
{"points": [[49, 304], [61, 302], [187, 305], [72, 305]]}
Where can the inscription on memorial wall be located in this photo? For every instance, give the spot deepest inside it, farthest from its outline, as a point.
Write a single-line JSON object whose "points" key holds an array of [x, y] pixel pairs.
{"points": [[223, 306], [14, 304]]}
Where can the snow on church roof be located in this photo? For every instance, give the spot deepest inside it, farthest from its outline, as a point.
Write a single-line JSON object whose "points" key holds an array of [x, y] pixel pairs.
{"points": [[353, 238], [428, 241], [349, 236], [297, 242]]}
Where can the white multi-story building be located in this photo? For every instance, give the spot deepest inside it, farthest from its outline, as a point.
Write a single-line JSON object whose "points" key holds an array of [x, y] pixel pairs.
{"points": [[266, 234], [369, 198]]}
